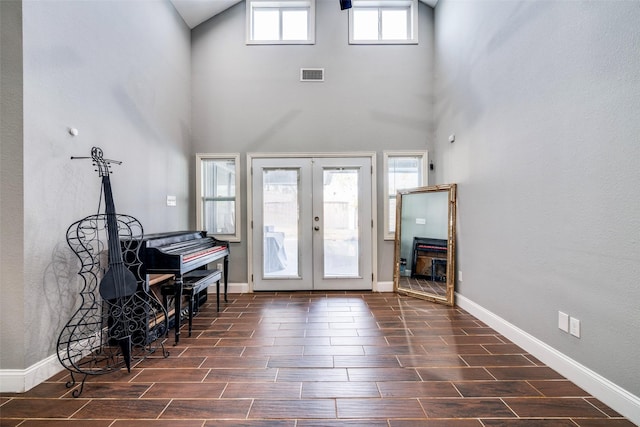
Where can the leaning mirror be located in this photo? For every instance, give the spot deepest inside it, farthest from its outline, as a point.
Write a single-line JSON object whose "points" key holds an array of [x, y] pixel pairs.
{"points": [[425, 243]]}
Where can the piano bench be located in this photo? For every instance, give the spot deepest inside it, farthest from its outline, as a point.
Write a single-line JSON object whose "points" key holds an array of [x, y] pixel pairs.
{"points": [[194, 283]]}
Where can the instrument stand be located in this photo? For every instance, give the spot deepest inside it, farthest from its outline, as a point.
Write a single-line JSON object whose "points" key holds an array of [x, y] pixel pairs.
{"points": [[86, 345]]}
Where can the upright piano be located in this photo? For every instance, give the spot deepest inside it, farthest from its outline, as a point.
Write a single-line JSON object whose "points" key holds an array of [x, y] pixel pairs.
{"points": [[429, 259], [185, 254]]}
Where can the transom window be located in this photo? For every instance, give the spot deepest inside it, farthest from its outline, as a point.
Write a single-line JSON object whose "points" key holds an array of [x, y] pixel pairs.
{"points": [[402, 170], [281, 22], [217, 203], [383, 22]]}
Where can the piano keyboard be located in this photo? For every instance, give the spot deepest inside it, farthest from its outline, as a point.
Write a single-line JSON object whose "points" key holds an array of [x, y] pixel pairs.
{"points": [[197, 254]]}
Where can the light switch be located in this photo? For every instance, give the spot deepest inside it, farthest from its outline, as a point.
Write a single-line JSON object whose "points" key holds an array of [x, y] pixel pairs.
{"points": [[563, 321], [574, 327], [171, 201]]}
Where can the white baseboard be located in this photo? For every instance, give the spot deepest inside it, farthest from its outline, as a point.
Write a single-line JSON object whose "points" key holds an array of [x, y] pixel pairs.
{"points": [[614, 396], [233, 288], [21, 380], [243, 288], [383, 287], [238, 288]]}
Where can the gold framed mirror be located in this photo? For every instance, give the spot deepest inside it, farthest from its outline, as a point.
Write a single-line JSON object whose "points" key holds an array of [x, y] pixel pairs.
{"points": [[425, 239]]}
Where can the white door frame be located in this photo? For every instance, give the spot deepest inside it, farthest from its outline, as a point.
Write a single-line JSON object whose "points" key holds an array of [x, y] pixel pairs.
{"points": [[374, 204]]}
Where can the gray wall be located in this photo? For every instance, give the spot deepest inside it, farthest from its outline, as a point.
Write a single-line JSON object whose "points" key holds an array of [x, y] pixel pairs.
{"points": [[250, 99], [119, 72], [544, 99]]}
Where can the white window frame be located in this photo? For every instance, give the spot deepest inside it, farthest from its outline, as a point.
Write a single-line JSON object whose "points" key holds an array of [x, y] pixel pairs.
{"points": [[235, 157], [423, 157], [281, 5], [381, 5]]}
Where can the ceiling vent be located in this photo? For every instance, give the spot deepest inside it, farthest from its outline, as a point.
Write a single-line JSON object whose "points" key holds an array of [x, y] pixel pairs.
{"points": [[311, 74]]}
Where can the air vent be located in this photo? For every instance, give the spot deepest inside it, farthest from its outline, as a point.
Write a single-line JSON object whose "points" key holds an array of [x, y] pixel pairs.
{"points": [[311, 74]]}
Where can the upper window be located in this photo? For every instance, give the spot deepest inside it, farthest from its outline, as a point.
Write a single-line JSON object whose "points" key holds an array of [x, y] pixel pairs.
{"points": [[281, 22], [402, 170], [217, 202], [383, 22]]}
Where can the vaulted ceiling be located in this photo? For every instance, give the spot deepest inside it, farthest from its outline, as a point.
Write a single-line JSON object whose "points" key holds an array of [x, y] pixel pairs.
{"points": [[195, 12]]}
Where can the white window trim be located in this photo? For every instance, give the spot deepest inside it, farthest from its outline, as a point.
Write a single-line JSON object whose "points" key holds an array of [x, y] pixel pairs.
{"points": [[237, 236], [279, 4], [385, 168], [413, 6]]}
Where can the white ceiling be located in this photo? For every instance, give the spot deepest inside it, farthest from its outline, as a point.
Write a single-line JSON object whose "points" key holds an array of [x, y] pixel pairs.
{"points": [[195, 12]]}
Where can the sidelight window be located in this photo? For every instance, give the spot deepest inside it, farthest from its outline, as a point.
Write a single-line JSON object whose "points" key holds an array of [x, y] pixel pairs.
{"points": [[217, 185], [402, 170]]}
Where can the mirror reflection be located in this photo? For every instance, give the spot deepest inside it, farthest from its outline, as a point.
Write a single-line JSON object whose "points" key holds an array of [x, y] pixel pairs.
{"points": [[425, 242]]}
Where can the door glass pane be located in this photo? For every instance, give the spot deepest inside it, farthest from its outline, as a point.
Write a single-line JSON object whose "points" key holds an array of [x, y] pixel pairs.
{"points": [[340, 212], [280, 216]]}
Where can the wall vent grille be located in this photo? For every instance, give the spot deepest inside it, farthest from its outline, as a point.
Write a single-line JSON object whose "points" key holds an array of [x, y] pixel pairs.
{"points": [[311, 74]]}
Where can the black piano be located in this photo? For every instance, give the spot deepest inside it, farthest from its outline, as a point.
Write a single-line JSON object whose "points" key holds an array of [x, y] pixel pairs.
{"points": [[185, 254], [429, 259]]}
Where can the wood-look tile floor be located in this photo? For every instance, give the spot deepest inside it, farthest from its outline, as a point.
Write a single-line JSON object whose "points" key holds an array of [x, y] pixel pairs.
{"points": [[322, 359]]}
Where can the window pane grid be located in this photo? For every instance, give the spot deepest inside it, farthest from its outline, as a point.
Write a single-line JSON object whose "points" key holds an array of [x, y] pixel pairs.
{"points": [[403, 172], [280, 22], [218, 195], [383, 22], [366, 24], [294, 24], [266, 24], [394, 24]]}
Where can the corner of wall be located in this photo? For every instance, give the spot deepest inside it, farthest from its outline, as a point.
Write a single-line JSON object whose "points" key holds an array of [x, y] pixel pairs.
{"points": [[11, 185]]}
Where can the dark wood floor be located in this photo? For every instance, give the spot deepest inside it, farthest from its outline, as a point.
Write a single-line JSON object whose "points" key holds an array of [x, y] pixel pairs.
{"points": [[420, 284], [317, 359]]}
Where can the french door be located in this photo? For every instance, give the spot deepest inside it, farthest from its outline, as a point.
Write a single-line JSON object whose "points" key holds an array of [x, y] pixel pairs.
{"points": [[311, 220]]}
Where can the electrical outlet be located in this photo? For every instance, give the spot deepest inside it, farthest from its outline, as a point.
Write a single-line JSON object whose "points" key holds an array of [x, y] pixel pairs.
{"points": [[459, 275], [574, 327], [219, 266], [563, 321]]}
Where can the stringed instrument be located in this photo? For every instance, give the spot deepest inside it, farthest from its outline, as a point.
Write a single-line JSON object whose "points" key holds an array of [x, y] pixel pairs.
{"points": [[117, 318], [118, 283]]}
